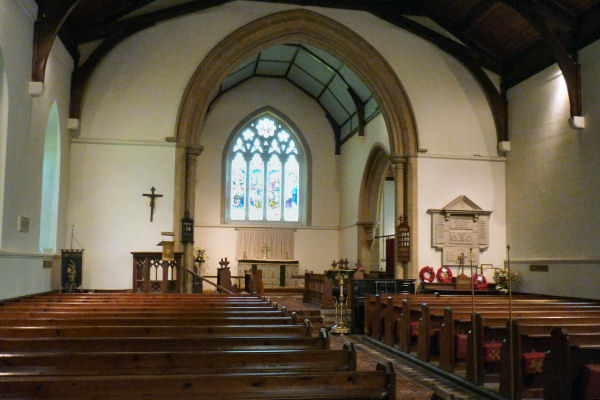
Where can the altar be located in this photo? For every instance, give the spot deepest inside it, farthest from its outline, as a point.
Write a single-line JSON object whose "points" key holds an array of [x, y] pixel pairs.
{"points": [[275, 273]]}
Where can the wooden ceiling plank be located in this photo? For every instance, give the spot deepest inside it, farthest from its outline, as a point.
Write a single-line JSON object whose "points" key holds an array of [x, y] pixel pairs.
{"points": [[550, 14], [568, 65], [474, 14], [463, 54], [51, 15]]}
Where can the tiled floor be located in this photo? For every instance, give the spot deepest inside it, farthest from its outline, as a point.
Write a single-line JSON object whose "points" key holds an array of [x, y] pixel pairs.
{"points": [[412, 382]]}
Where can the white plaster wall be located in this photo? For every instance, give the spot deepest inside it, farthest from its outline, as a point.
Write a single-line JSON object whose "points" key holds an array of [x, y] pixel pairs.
{"points": [[352, 163], [136, 91], [441, 180], [110, 216], [315, 245], [451, 112], [553, 182], [16, 38], [21, 264]]}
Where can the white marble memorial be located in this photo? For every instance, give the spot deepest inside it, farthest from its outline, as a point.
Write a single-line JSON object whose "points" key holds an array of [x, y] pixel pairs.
{"points": [[461, 228]]}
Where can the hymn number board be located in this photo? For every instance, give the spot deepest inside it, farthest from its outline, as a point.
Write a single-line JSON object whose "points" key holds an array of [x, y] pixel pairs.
{"points": [[461, 229]]}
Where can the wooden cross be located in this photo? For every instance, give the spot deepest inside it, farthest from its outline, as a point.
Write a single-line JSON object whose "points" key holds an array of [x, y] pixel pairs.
{"points": [[265, 249], [152, 197], [223, 262], [461, 262]]}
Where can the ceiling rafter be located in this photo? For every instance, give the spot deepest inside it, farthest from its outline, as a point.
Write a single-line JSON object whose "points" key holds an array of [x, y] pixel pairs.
{"points": [[567, 63], [51, 15], [147, 20], [471, 61]]}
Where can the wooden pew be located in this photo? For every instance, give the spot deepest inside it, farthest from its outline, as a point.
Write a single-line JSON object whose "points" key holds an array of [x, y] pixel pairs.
{"points": [[60, 354], [378, 384], [460, 322], [150, 321], [171, 363], [525, 341], [154, 331], [153, 344], [565, 362]]}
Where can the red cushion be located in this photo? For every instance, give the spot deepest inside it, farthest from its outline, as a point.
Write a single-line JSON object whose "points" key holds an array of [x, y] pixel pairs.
{"points": [[492, 351], [461, 346], [414, 328], [591, 382], [533, 362]]}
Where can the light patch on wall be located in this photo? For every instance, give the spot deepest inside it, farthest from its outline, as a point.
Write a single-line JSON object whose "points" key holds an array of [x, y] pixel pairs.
{"points": [[3, 128], [560, 97], [50, 183]]}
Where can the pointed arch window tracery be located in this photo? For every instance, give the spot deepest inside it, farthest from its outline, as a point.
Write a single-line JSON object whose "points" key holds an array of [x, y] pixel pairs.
{"points": [[265, 168]]}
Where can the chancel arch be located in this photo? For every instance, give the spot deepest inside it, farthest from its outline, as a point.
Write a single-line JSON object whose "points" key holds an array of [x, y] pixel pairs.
{"points": [[3, 127], [295, 26]]}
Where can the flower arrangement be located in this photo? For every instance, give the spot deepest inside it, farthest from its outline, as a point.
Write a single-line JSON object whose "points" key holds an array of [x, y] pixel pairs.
{"points": [[200, 255], [503, 277]]}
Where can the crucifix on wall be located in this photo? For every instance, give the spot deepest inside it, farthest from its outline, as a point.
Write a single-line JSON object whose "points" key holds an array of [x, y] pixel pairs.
{"points": [[152, 196]]}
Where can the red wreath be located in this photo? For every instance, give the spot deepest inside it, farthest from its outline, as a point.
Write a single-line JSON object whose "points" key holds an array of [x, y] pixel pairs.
{"points": [[444, 275], [427, 274], [479, 281]]}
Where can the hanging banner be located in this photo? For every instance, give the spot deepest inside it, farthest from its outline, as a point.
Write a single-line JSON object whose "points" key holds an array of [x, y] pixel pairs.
{"points": [[71, 269]]}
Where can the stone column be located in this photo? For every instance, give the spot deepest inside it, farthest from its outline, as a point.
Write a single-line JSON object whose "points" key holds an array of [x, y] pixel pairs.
{"points": [[399, 168], [188, 200]]}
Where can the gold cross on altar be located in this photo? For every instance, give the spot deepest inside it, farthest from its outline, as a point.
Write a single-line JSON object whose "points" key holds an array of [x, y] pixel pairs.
{"points": [[265, 249]]}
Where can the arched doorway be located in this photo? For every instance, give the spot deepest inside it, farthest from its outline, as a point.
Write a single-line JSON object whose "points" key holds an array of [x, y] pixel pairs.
{"points": [[369, 215], [295, 26]]}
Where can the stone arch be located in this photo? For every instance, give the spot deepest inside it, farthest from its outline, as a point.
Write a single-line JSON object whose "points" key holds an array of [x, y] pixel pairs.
{"points": [[3, 132], [374, 174], [308, 27], [294, 26]]}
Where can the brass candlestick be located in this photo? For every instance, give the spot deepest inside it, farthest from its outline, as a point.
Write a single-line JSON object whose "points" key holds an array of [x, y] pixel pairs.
{"points": [[339, 277]]}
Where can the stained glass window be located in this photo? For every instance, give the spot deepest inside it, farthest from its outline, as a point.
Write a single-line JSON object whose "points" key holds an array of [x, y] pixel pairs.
{"points": [[265, 172]]}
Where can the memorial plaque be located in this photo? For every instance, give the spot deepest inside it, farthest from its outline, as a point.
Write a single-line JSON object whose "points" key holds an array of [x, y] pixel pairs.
{"points": [[460, 226], [451, 254], [460, 222]]}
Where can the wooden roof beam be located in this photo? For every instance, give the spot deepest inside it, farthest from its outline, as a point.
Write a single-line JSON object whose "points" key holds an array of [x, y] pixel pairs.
{"points": [[360, 111], [135, 24], [568, 64], [51, 15], [337, 133], [471, 61]]}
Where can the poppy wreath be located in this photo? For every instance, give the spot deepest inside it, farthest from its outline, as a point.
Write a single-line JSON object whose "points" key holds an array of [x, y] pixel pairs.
{"points": [[427, 274], [444, 274], [479, 281]]}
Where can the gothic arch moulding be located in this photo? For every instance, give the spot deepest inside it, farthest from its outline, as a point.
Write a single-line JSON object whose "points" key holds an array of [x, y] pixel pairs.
{"points": [[300, 26], [368, 208]]}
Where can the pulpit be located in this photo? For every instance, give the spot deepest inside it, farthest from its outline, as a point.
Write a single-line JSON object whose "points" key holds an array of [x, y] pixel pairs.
{"points": [[275, 273], [153, 275]]}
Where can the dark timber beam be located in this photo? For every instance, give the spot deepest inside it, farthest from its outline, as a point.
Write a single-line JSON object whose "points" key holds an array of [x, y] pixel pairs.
{"points": [[470, 60], [360, 111], [50, 18], [568, 64], [148, 20], [337, 133], [82, 74]]}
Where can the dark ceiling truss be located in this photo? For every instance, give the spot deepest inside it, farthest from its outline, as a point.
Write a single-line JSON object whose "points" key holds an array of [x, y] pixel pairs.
{"points": [[560, 29], [541, 18], [336, 126], [51, 16]]}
